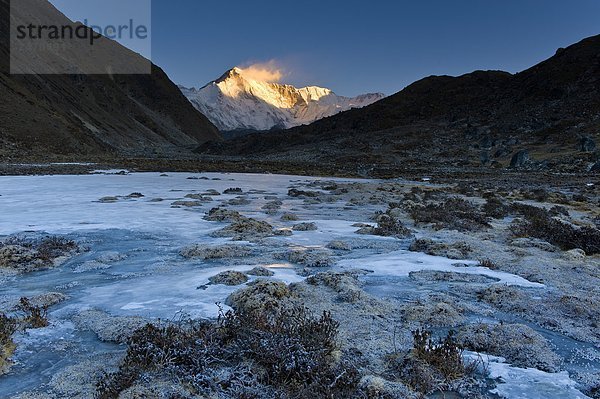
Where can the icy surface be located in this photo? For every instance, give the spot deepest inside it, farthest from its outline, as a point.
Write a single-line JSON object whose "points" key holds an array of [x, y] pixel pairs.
{"points": [[519, 383], [133, 264], [402, 263]]}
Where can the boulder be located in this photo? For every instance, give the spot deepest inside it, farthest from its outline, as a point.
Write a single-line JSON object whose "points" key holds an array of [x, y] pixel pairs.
{"points": [[587, 144], [520, 159]]}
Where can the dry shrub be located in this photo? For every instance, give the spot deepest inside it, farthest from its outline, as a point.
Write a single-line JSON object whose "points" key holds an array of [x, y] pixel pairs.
{"points": [[454, 213], [540, 223], [430, 365], [34, 316], [53, 247], [290, 352]]}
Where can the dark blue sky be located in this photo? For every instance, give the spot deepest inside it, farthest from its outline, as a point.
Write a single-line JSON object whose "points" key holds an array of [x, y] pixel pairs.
{"points": [[354, 46]]}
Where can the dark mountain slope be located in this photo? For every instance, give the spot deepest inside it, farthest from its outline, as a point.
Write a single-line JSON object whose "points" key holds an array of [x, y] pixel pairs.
{"points": [[93, 115], [484, 117]]}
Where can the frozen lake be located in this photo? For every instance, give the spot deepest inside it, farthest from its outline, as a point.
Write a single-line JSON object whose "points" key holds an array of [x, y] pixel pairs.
{"points": [[133, 264]]}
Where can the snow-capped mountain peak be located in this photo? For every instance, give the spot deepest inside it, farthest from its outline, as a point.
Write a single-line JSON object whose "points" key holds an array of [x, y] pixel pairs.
{"points": [[238, 100]]}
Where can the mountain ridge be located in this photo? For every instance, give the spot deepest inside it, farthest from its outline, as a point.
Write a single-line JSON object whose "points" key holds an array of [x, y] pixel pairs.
{"points": [[83, 116], [235, 101], [484, 118]]}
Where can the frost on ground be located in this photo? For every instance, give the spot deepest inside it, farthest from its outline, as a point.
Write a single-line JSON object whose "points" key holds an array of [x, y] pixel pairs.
{"points": [[252, 282]]}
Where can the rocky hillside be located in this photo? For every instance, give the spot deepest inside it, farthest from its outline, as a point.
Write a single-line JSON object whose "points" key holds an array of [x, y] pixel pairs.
{"points": [[43, 116], [547, 118]]}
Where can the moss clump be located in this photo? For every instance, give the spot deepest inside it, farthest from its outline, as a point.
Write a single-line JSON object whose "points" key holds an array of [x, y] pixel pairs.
{"points": [[26, 254], [229, 278]]}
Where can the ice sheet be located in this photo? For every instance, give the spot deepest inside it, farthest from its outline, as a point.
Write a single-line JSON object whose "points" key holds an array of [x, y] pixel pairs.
{"points": [[520, 383], [402, 263]]}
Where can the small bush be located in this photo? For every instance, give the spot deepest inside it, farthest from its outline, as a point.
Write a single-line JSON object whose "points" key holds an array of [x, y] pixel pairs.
{"points": [[488, 263], [455, 213], [431, 365], [54, 247], [34, 316], [389, 226], [496, 208], [445, 355], [290, 352], [8, 326], [539, 223], [538, 194]]}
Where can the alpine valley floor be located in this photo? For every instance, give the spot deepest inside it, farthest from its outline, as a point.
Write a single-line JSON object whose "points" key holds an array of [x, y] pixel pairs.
{"points": [[109, 251]]}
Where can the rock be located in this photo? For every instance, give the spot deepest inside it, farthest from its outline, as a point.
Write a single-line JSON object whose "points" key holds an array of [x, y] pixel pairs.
{"points": [[246, 229], [202, 251], [526, 242], [222, 215], [505, 297], [109, 328], [518, 343], [239, 201], [300, 193], [587, 144], [289, 217], [107, 200], [78, 381], [575, 254], [486, 143], [235, 190], [229, 277], [188, 204], [199, 197], [377, 387], [305, 227], [346, 284], [283, 232], [272, 206], [135, 195], [49, 299], [262, 296], [484, 157], [502, 152], [457, 250], [310, 257], [520, 159], [261, 272], [339, 246]]}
